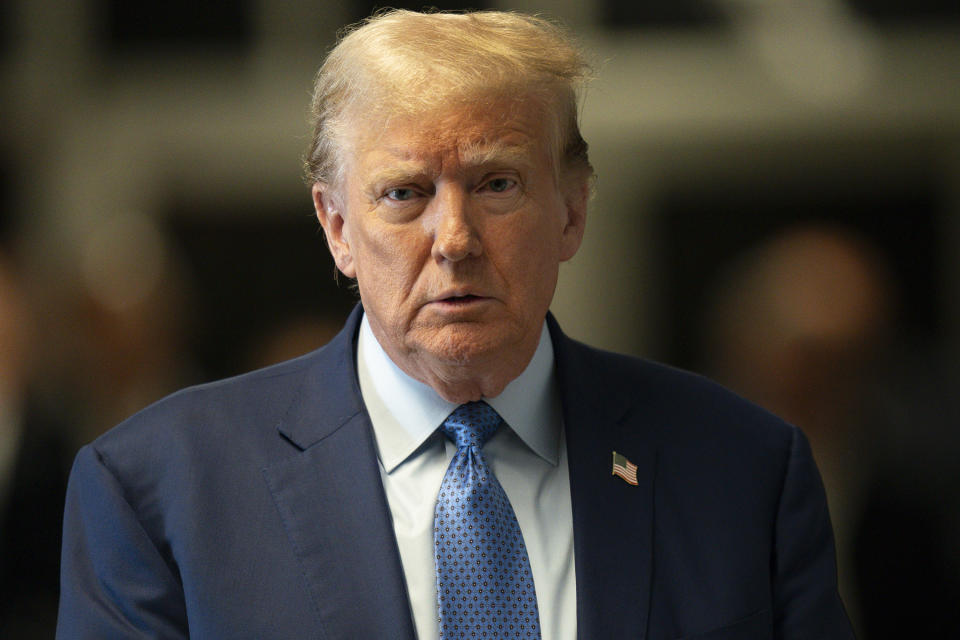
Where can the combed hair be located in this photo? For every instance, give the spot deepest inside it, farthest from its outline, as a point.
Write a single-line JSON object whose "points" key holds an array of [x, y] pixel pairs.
{"points": [[399, 63]]}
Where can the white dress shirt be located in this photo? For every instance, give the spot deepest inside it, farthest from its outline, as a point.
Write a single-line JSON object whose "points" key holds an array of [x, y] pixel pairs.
{"points": [[529, 459]]}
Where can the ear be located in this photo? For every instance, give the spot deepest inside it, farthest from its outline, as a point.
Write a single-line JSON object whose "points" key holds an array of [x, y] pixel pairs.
{"points": [[331, 217], [575, 197]]}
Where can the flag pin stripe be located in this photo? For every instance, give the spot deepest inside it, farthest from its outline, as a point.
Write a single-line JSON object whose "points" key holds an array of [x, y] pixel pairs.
{"points": [[624, 468]]}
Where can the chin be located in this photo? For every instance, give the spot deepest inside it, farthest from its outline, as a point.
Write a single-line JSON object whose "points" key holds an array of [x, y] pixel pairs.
{"points": [[463, 345]]}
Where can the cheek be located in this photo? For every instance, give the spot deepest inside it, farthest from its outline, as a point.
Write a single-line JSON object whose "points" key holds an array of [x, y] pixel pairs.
{"points": [[538, 252], [389, 262], [529, 264], [537, 240]]}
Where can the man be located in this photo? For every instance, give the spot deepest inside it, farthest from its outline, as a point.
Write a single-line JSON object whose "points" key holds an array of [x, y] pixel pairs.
{"points": [[342, 494]]}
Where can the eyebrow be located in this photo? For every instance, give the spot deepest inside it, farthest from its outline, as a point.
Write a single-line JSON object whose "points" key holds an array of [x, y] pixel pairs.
{"points": [[496, 154], [396, 174]]}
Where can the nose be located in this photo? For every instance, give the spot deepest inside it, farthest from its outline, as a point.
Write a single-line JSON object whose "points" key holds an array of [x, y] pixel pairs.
{"points": [[456, 236]]}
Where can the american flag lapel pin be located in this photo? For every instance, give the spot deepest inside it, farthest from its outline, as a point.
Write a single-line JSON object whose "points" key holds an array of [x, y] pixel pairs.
{"points": [[624, 468]]}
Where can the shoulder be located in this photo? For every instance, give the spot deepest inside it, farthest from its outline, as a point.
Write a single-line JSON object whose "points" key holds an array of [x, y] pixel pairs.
{"points": [[243, 408], [714, 451], [212, 429], [242, 398], [679, 408]]}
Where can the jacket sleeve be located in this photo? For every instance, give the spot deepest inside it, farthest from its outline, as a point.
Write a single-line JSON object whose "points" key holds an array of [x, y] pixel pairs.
{"points": [[806, 601], [114, 581]]}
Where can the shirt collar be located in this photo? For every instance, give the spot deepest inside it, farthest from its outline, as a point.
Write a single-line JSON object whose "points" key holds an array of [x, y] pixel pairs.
{"points": [[406, 412]]}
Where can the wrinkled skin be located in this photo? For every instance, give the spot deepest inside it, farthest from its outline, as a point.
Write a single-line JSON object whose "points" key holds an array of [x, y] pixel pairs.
{"points": [[454, 226]]}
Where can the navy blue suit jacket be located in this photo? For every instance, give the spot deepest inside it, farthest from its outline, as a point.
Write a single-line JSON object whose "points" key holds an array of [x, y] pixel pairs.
{"points": [[253, 508]]}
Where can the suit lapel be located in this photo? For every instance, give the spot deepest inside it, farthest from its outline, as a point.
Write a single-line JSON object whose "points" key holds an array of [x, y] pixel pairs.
{"points": [[612, 520], [330, 496], [331, 499]]}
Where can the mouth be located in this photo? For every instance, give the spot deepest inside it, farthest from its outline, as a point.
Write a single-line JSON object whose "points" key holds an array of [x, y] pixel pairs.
{"points": [[457, 301], [461, 299]]}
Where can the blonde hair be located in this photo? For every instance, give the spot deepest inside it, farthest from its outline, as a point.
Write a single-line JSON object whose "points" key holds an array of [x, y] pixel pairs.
{"points": [[402, 62]]}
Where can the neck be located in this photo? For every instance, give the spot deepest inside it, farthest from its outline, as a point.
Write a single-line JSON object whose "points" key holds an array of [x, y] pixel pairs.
{"points": [[459, 387], [480, 377], [460, 378]]}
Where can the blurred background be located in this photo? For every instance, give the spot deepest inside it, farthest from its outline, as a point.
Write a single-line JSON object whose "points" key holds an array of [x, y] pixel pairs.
{"points": [[777, 206]]}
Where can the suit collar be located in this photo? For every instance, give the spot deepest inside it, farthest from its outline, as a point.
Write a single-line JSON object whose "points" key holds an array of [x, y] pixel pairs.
{"points": [[612, 520], [329, 395]]}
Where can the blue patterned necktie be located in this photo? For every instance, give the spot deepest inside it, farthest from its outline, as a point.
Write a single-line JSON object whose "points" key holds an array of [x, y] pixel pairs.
{"points": [[484, 584]]}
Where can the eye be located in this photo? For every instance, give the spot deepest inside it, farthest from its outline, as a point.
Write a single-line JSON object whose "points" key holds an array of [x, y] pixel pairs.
{"points": [[499, 185], [400, 194]]}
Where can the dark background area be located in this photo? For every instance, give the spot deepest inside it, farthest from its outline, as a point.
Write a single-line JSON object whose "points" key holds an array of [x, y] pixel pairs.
{"points": [[704, 231]]}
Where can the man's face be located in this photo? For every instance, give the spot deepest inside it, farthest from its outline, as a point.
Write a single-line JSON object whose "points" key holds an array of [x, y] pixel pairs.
{"points": [[454, 226]]}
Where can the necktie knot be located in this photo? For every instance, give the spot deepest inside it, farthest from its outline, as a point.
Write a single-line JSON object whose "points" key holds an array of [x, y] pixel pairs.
{"points": [[471, 424]]}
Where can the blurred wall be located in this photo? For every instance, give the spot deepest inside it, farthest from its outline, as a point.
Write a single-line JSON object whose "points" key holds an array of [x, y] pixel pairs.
{"points": [[103, 120]]}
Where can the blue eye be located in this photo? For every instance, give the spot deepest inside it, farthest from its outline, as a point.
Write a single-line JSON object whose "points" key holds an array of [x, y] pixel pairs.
{"points": [[400, 194], [500, 185]]}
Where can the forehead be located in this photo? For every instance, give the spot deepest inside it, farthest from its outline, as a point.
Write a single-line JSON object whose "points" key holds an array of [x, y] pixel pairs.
{"points": [[505, 131]]}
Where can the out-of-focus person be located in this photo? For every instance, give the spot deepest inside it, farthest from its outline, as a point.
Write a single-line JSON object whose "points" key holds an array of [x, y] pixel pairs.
{"points": [[34, 459], [121, 321], [804, 325]]}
